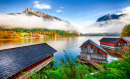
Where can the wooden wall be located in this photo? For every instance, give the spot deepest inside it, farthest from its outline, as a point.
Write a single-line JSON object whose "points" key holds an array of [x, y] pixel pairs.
{"points": [[107, 43], [97, 49], [120, 41], [113, 44], [29, 68]]}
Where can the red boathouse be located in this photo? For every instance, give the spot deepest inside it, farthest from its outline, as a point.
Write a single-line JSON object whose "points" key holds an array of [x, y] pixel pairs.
{"points": [[14, 61], [112, 43]]}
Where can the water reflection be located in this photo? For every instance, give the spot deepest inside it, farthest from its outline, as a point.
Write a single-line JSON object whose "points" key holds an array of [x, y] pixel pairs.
{"points": [[71, 45]]}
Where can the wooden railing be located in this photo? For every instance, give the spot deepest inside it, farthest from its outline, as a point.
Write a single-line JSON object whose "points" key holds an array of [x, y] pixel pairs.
{"points": [[94, 57]]}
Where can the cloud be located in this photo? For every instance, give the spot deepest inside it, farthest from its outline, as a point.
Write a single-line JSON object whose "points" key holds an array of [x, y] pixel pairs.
{"points": [[42, 6], [61, 7], [58, 11], [24, 21], [109, 26], [125, 11], [35, 2]]}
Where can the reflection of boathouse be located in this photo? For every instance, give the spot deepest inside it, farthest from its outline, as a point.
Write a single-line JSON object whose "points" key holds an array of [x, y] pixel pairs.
{"points": [[91, 52], [112, 43], [14, 61]]}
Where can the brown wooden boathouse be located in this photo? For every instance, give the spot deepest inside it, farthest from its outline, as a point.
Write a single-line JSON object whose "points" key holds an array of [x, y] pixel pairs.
{"points": [[14, 61], [127, 39], [92, 53]]}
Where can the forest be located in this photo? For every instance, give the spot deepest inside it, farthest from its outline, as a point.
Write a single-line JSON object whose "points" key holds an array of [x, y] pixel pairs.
{"points": [[14, 33]]}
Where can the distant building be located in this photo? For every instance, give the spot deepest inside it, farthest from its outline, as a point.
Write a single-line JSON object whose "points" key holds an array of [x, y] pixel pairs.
{"points": [[41, 36], [127, 39], [14, 61], [90, 51], [112, 43]]}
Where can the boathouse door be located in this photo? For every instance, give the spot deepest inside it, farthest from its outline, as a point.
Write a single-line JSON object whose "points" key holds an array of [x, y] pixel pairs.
{"points": [[88, 49]]}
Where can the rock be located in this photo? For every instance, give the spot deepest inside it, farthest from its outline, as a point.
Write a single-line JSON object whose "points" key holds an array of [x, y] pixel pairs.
{"points": [[109, 17]]}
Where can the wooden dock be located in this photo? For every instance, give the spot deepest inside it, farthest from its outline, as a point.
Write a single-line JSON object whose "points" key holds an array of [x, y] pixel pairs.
{"points": [[93, 63]]}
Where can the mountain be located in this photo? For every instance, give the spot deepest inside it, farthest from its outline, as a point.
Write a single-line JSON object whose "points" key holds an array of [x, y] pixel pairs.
{"points": [[100, 34], [29, 11], [109, 17], [40, 14]]}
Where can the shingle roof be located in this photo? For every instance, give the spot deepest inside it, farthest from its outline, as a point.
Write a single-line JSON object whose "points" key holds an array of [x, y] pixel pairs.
{"points": [[16, 59], [110, 40], [90, 41]]}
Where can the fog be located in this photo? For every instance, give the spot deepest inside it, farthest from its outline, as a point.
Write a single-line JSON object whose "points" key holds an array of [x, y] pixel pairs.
{"points": [[24, 21], [110, 26]]}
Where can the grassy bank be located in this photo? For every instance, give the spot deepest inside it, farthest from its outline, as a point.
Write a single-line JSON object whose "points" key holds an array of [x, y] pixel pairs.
{"points": [[70, 70]]}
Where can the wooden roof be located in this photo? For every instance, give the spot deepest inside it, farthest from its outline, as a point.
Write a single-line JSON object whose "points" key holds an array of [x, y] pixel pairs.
{"points": [[111, 40], [16, 59], [90, 41]]}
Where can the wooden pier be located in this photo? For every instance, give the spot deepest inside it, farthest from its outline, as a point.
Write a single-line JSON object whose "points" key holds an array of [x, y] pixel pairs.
{"points": [[93, 63]]}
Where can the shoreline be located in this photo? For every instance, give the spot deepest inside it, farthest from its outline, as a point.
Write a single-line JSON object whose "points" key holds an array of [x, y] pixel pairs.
{"points": [[32, 38], [9, 39]]}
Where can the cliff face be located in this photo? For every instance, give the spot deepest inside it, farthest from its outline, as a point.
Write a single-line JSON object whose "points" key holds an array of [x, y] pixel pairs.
{"points": [[40, 14], [109, 17], [29, 10]]}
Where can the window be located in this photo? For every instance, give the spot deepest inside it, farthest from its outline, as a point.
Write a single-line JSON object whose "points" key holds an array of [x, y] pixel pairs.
{"points": [[91, 47], [120, 45], [91, 51]]}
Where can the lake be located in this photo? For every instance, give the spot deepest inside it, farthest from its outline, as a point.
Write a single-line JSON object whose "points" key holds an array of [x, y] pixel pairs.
{"points": [[70, 45]]}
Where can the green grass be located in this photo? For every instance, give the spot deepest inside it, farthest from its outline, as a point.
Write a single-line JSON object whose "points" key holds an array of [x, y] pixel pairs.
{"points": [[119, 69]]}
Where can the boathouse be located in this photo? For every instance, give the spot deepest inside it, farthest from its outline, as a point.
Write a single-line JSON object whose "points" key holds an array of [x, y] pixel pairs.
{"points": [[127, 39], [112, 43], [14, 61], [90, 51]]}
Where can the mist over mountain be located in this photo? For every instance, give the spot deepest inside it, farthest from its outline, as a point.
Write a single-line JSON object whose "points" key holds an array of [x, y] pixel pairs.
{"points": [[109, 17], [29, 12], [109, 23], [30, 19]]}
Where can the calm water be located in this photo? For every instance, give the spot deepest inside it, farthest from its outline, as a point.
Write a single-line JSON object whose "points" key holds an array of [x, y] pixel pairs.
{"points": [[71, 45]]}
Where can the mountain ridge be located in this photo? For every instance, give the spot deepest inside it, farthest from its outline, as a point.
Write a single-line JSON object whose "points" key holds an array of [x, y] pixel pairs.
{"points": [[109, 17], [29, 11], [40, 14]]}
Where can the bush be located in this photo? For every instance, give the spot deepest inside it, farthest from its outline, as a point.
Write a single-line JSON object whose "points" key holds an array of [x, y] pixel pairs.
{"points": [[126, 31], [70, 70]]}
